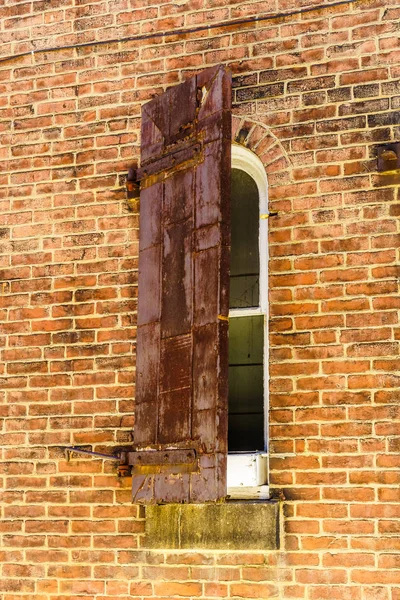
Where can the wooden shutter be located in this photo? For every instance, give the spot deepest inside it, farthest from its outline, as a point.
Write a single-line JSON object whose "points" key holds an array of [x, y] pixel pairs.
{"points": [[182, 347]]}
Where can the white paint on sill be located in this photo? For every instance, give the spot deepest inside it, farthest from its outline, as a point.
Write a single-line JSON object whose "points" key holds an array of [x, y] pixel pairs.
{"points": [[248, 475]]}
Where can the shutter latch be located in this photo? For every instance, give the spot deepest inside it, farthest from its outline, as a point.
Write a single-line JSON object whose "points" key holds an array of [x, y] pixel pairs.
{"points": [[124, 469]]}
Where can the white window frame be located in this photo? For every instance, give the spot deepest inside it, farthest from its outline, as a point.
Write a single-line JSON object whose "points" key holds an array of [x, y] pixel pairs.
{"points": [[248, 471]]}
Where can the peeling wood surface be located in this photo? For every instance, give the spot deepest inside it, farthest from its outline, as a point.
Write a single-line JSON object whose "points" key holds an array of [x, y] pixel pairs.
{"points": [[182, 357]]}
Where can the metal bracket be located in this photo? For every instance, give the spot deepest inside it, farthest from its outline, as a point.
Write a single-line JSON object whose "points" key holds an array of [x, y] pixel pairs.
{"points": [[69, 449], [132, 185], [124, 468], [388, 157]]}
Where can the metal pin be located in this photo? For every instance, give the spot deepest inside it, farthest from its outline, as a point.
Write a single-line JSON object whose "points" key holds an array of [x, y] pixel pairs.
{"points": [[268, 215], [69, 449]]}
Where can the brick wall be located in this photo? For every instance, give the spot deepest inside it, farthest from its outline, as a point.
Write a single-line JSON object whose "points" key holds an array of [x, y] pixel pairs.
{"points": [[316, 92]]}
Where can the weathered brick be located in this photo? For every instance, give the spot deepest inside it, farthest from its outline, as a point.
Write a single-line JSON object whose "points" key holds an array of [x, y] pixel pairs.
{"points": [[317, 93]]}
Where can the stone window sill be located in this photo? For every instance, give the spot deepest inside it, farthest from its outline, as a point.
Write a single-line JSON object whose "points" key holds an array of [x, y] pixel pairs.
{"points": [[232, 525]]}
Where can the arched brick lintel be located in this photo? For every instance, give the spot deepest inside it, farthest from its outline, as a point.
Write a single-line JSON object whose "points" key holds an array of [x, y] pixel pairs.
{"points": [[258, 138]]}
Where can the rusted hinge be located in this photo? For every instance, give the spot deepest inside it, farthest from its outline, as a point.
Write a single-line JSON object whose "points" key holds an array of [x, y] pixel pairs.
{"points": [[146, 460], [155, 461], [182, 157], [132, 184]]}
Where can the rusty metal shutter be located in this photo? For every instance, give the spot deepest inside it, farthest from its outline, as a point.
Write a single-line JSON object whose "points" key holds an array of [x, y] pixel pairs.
{"points": [[182, 339]]}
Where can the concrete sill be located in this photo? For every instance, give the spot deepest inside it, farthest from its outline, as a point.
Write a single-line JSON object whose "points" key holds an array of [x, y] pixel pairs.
{"points": [[226, 526]]}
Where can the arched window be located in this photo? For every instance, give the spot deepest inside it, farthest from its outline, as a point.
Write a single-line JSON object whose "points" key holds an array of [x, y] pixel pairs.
{"points": [[248, 349]]}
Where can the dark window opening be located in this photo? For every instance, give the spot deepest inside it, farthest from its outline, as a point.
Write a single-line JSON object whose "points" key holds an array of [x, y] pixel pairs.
{"points": [[245, 256], [246, 331]]}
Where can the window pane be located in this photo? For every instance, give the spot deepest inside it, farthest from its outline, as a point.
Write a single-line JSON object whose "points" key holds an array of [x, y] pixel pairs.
{"points": [[245, 263], [246, 390], [245, 433]]}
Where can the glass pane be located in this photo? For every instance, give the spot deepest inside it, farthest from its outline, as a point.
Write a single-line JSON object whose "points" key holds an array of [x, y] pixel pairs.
{"points": [[244, 291], [245, 433], [245, 262], [245, 386], [246, 389], [246, 339]]}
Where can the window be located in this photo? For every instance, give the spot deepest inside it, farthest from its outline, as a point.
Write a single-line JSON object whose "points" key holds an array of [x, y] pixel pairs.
{"points": [[182, 372], [248, 351]]}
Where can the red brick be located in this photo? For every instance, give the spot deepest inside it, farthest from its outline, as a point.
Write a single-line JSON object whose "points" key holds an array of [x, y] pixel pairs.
{"points": [[68, 301], [254, 590]]}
